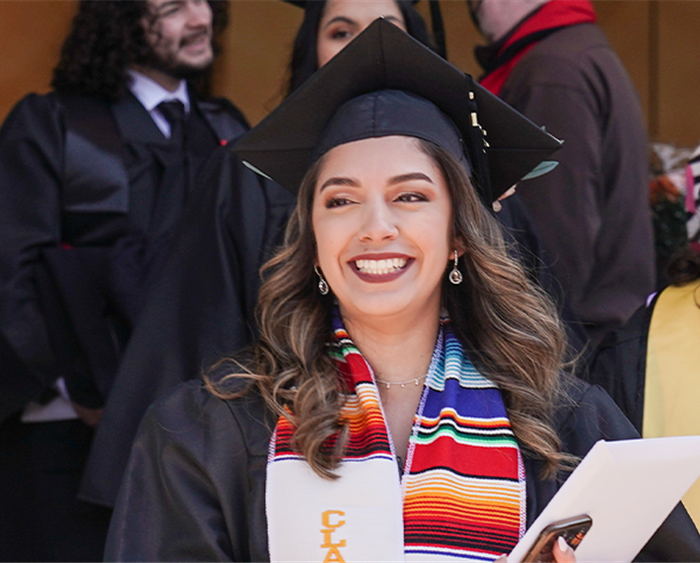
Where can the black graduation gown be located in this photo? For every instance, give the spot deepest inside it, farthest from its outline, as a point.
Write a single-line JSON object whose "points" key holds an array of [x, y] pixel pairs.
{"points": [[188, 298], [526, 246], [90, 194], [199, 310], [195, 485], [620, 363]]}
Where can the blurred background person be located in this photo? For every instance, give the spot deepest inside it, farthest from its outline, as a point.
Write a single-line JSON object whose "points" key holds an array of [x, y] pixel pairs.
{"points": [[329, 25], [550, 61]]}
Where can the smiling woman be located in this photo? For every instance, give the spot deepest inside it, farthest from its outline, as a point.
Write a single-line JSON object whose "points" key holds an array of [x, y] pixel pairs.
{"points": [[381, 218], [392, 409]]}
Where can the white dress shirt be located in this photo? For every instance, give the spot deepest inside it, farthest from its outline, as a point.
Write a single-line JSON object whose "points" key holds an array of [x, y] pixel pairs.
{"points": [[150, 94]]}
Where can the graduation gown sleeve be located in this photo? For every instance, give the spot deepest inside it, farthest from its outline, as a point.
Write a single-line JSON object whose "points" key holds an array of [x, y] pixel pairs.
{"points": [[195, 483]]}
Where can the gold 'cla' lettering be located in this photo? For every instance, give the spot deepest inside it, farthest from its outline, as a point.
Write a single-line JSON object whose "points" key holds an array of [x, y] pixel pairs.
{"points": [[333, 555], [331, 520]]}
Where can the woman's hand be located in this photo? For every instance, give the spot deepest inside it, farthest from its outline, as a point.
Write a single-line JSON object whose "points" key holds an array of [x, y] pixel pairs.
{"points": [[562, 553]]}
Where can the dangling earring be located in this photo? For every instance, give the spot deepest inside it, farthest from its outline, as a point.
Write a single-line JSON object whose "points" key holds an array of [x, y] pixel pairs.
{"points": [[455, 275], [323, 288]]}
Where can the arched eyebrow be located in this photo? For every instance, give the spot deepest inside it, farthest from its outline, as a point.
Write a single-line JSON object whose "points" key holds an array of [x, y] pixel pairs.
{"points": [[341, 19], [410, 177], [349, 21], [352, 183], [340, 181]]}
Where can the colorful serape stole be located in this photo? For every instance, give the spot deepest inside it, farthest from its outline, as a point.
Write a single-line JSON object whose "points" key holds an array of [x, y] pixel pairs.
{"points": [[465, 481], [462, 493]]}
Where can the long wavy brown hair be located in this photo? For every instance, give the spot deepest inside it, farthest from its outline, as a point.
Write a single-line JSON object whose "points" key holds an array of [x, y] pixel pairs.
{"points": [[509, 328]]}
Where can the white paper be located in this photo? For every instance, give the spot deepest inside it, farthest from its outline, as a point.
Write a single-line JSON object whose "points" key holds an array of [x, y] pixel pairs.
{"points": [[628, 488]]}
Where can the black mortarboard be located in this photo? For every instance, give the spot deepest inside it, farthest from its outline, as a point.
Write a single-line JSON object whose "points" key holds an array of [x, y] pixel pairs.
{"points": [[383, 57]]}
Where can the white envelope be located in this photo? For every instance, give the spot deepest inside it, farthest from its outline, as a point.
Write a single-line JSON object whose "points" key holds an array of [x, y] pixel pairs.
{"points": [[628, 488]]}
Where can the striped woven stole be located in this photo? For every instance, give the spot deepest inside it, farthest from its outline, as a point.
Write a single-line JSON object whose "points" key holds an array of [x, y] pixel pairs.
{"points": [[462, 492]]}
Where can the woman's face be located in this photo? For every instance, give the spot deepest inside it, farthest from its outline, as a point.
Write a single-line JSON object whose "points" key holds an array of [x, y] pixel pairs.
{"points": [[343, 20], [382, 218]]}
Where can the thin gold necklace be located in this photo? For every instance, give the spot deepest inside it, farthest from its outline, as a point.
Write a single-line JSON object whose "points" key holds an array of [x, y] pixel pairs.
{"points": [[415, 380]]}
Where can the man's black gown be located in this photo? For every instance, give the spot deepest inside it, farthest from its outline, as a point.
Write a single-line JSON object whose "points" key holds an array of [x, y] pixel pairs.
{"points": [[195, 485], [91, 194], [93, 206]]}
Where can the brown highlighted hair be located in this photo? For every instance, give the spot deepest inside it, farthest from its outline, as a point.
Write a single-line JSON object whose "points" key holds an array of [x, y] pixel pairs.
{"points": [[508, 327]]}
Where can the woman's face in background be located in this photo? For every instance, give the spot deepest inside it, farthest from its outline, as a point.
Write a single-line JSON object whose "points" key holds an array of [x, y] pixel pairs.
{"points": [[382, 219], [343, 20]]}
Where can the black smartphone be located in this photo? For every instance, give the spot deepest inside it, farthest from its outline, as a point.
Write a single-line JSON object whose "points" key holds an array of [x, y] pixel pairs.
{"points": [[571, 529]]}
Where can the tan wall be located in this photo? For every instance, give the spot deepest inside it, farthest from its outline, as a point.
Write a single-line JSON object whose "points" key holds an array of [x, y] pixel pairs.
{"points": [[626, 25], [657, 41], [31, 33], [678, 84], [257, 48]]}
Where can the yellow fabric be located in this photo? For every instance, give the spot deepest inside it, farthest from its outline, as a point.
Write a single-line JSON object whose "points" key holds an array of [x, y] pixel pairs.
{"points": [[672, 386]]}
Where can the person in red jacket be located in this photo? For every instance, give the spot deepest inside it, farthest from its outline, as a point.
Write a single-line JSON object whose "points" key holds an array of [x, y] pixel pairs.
{"points": [[550, 61]]}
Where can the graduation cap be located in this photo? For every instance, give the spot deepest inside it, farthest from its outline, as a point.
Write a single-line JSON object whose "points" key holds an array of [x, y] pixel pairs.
{"points": [[435, 17], [501, 145]]}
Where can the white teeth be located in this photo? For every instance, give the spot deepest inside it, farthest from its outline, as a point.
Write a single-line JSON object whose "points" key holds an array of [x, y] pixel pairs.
{"points": [[380, 267]]}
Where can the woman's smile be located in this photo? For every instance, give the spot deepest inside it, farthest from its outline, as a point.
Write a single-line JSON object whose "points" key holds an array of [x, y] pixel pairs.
{"points": [[380, 268], [381, 217]]}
